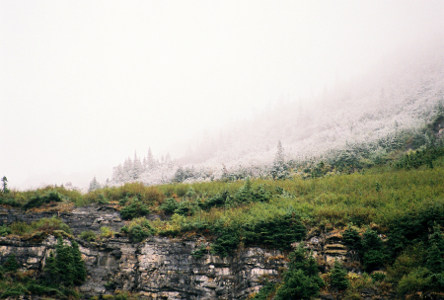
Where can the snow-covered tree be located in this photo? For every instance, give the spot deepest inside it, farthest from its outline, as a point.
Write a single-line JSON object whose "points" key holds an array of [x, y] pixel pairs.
{"points": [[94, 185], [137, 168]]}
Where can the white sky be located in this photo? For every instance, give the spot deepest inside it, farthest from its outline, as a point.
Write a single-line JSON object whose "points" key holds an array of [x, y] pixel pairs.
{"points": [[85, 83]]}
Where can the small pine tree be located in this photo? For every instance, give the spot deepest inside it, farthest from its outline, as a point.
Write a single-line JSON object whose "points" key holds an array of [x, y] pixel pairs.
{"points": [[5, 189], [434, 262], [50, 270], [79, 265], [64, 263], [11, 264], [338, 277], [301, 280], [94, 185]]}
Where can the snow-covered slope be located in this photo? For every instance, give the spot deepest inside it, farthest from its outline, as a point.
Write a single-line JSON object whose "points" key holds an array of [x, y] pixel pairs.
{"points": [[402, 93]]}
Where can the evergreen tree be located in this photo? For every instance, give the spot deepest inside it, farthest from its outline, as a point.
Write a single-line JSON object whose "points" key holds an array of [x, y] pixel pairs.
{"points": [[118, 176], [94, 185], [79, 266], [127, 170], [5, 189], [50, 270], [301, 280], [279, 170], [150, 160], [137, 168], [11, 264], [65, 263], [338, 277], [434, 262]]}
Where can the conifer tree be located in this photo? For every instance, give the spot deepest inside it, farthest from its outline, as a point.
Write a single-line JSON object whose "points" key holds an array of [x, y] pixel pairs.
{"points": [[50, 270], [78, 264], [301, 280], [278, 170], [5, 189], [150, 160], [338, 277], [65, 263], [94, 185], [11, 264], [137, 168], [118, 174], [434, 263]]}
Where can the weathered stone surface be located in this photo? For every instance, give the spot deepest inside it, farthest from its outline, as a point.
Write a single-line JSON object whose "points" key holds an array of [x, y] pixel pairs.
{"points": [[160, 268], [157, 267]]}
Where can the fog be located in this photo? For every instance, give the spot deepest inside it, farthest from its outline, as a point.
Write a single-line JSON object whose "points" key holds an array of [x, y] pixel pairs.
{"points": [[83, 85]]}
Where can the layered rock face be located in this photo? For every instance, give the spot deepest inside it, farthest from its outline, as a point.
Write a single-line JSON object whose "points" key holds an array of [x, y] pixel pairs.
{"points": [[160, 268], [157, 268]]}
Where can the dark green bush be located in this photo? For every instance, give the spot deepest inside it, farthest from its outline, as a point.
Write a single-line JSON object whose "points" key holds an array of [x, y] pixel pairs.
{"points": [[138, 229], [5, 230], [15, 291], [38, 200], [301, 279], [134, 209], [227, 240], [101, 199], [414, 227], [187, 208], [420, 157], [6, 200], [216, 201], [199, 253], [277, 233], [169, 206]]}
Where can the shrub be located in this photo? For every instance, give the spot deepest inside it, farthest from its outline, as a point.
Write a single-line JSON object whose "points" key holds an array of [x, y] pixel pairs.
{"points": [[169, 206], [227, 240], [134, 209], [50, 224], [187, 208], [215, 201], [5, 230], [106, 232], [37, 201], [20, 228], [101, 199], [279, 232], [9, 201], [417, 280], [15, 291], [138, 229], [199, 253], [88, 235]]}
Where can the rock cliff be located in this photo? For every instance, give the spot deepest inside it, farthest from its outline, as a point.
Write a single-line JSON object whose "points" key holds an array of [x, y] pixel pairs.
{"points": [[157, 268]]}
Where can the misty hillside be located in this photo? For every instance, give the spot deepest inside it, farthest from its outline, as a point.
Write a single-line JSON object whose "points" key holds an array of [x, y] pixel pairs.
{"points": [[364, 118]]}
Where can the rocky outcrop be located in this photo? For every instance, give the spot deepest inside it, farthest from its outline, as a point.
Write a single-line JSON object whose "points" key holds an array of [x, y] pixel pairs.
{"points": [[158, 268]]}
